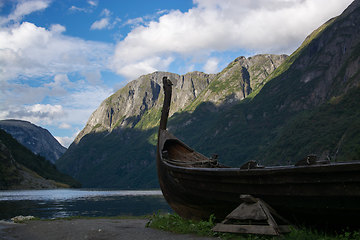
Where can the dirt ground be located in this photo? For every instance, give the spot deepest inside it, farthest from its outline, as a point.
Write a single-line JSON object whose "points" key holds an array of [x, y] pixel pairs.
{"points": [[87, 229]]}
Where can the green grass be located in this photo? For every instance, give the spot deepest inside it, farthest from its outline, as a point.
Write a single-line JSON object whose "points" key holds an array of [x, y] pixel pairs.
{"points": [[174, 223]]}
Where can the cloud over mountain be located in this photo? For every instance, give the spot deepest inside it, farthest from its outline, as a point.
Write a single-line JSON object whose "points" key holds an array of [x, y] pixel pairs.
{"points": [[260, 26]]}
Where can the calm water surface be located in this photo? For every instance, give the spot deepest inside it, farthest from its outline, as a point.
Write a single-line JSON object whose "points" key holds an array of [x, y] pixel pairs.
{"points": [[80, 202]]}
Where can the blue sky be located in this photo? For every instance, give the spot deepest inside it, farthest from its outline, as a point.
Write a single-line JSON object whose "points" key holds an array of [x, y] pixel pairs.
{"points": [[59, 59]]}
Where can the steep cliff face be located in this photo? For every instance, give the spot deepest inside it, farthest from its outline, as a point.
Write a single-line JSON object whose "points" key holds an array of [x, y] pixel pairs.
{"points": [[126, 107], [38, 140], [240, 78]]}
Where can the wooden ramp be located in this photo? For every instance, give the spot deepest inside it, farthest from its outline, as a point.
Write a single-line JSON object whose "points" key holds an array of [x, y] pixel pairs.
{"points": [[253, 216]]}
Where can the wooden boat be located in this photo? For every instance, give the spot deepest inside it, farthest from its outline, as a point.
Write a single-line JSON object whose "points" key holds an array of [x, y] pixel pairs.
{"points": [[310, 192]]}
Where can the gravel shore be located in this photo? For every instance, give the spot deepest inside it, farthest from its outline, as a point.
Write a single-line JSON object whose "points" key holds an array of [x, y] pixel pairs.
{"points": [[87, 229]]}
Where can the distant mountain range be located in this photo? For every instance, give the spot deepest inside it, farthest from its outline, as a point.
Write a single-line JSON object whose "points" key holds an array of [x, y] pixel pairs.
{"points": [[275, 109], [37, 139]]}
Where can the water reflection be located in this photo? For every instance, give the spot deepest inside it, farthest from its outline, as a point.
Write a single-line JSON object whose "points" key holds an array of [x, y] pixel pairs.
{"points": [[71, 202]]}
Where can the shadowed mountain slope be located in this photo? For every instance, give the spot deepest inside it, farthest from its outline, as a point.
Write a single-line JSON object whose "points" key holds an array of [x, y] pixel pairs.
{"points": [[37, 139]]}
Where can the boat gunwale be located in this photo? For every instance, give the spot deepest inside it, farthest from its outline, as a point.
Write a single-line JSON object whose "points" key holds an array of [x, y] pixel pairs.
{"points": [[268, 169], [328, 167]]}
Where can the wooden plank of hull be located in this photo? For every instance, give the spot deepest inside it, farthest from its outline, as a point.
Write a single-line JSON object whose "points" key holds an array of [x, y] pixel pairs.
{"points": [[196, 204], [198, 198]]}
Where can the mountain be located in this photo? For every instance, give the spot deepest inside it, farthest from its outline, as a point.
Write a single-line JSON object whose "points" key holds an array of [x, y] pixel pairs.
{"points": [[269, 108], [37, 139], [117, 146], [20, 168]]}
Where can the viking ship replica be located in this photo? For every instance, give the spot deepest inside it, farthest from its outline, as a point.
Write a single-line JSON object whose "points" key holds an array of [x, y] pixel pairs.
{"points": [[311, 191]]}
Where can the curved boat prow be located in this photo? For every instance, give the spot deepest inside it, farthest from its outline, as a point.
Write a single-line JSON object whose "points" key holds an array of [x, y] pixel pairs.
{"points": [[167, 85]]}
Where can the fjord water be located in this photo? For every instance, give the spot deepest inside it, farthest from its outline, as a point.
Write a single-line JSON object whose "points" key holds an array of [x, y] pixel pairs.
{"points": [[60, 203]]}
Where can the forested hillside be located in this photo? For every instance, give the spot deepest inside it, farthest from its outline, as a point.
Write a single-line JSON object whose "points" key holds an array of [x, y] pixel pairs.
{"points": [[16, 158]]}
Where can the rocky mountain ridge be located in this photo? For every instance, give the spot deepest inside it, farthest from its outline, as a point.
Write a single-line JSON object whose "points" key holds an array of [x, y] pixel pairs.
{"points": [[239, 79], [127, 106], [37, 139]]}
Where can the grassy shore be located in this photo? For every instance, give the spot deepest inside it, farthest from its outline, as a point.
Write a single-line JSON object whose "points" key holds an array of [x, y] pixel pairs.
{"points": [[174, 223]]}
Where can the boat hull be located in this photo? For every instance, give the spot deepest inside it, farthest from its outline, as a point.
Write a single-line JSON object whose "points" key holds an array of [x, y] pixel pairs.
{"points": [[316, 195]]}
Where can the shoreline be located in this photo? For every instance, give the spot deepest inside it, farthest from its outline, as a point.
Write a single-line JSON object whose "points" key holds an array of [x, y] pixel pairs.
{"points": [[82, 228]]}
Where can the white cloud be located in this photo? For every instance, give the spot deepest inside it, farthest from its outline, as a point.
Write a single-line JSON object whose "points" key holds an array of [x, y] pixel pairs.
{"points": [[86, 98], [59, 86], [30, 51], [60, 80], [262, 26], [134, 22], [132, 70], [92, 77], [24, 8], [105, 12], [211, 66], [66, 141], [105, 22], [102, 23], [74, 9], [186, 69], [93, 3], [64, 126], [57, 29], [73, 107], [38, 113], [17, 93], [88, 9]]}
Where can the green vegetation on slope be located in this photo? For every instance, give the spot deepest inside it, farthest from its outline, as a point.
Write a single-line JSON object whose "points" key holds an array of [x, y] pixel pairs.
{"points": [[128, 162], [332, 130], [36, 163], [9, 174]]}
